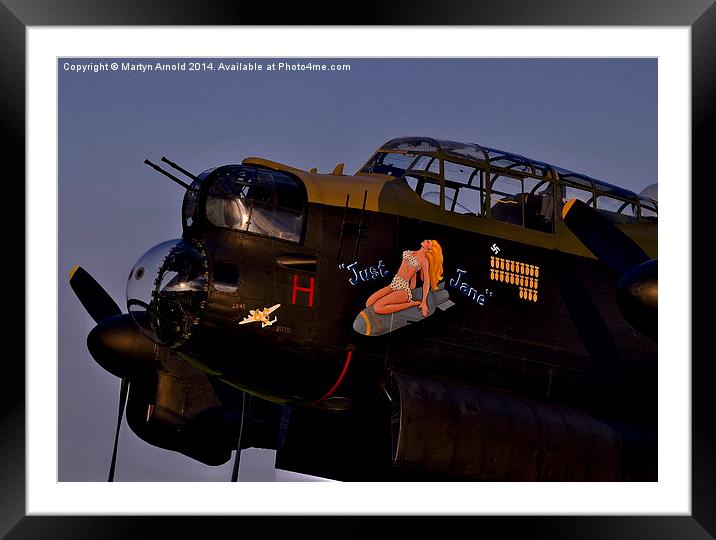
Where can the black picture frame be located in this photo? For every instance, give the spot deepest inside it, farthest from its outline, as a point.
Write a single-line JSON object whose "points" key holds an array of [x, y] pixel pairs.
{"points": [[17, 15]]}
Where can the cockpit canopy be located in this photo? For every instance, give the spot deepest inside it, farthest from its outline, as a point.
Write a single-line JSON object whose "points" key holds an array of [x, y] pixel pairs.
{"points": [[466, 178], [251, 199]]}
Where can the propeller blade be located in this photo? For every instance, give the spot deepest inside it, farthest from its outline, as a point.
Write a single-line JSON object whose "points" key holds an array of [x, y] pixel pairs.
{"points": [[94, 298], [602, 237], [115, 343], [637, 289], [123, 391]]}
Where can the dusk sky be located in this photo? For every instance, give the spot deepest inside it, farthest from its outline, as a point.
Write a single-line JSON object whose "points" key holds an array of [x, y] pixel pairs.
{"points": [[594, 116]]}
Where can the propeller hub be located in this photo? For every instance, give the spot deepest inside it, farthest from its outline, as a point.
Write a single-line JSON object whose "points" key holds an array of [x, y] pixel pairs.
{"points": [[118, 346], [167, 291], [637, 297]]}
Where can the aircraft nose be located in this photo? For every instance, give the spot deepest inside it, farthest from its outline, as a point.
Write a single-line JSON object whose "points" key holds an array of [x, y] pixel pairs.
{"points": [[119, 346]]}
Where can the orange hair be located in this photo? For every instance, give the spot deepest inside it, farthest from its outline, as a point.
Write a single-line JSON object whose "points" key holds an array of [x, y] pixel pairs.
{"points": [[435, 260]]}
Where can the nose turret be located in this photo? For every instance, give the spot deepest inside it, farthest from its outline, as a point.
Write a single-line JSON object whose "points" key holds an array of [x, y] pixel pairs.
{"points": [[167, 291]]}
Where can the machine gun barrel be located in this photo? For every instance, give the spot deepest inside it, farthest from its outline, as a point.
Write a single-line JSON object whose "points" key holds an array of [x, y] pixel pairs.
{"points": [[180, 169], [169, 175]]}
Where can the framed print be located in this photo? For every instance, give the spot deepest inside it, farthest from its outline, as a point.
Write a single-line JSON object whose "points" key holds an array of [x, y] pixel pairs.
{"points": [[190, 117]]}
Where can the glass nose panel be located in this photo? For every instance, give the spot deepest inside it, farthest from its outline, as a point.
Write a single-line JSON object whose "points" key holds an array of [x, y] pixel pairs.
{"points": [[167, 291]]}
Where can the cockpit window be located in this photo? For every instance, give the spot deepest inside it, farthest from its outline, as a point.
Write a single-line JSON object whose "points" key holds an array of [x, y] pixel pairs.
{"points": [[425, 185], [648, 212], [464, 189], [392, 164], [264, 202], [617, 210], [486, 183]]}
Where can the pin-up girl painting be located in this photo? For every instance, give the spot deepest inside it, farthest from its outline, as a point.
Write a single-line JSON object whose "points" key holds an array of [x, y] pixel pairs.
{"points": [[428, 260]]}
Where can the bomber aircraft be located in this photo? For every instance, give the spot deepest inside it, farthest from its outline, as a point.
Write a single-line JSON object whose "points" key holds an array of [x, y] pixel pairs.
{"points": [[448, 312]]}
